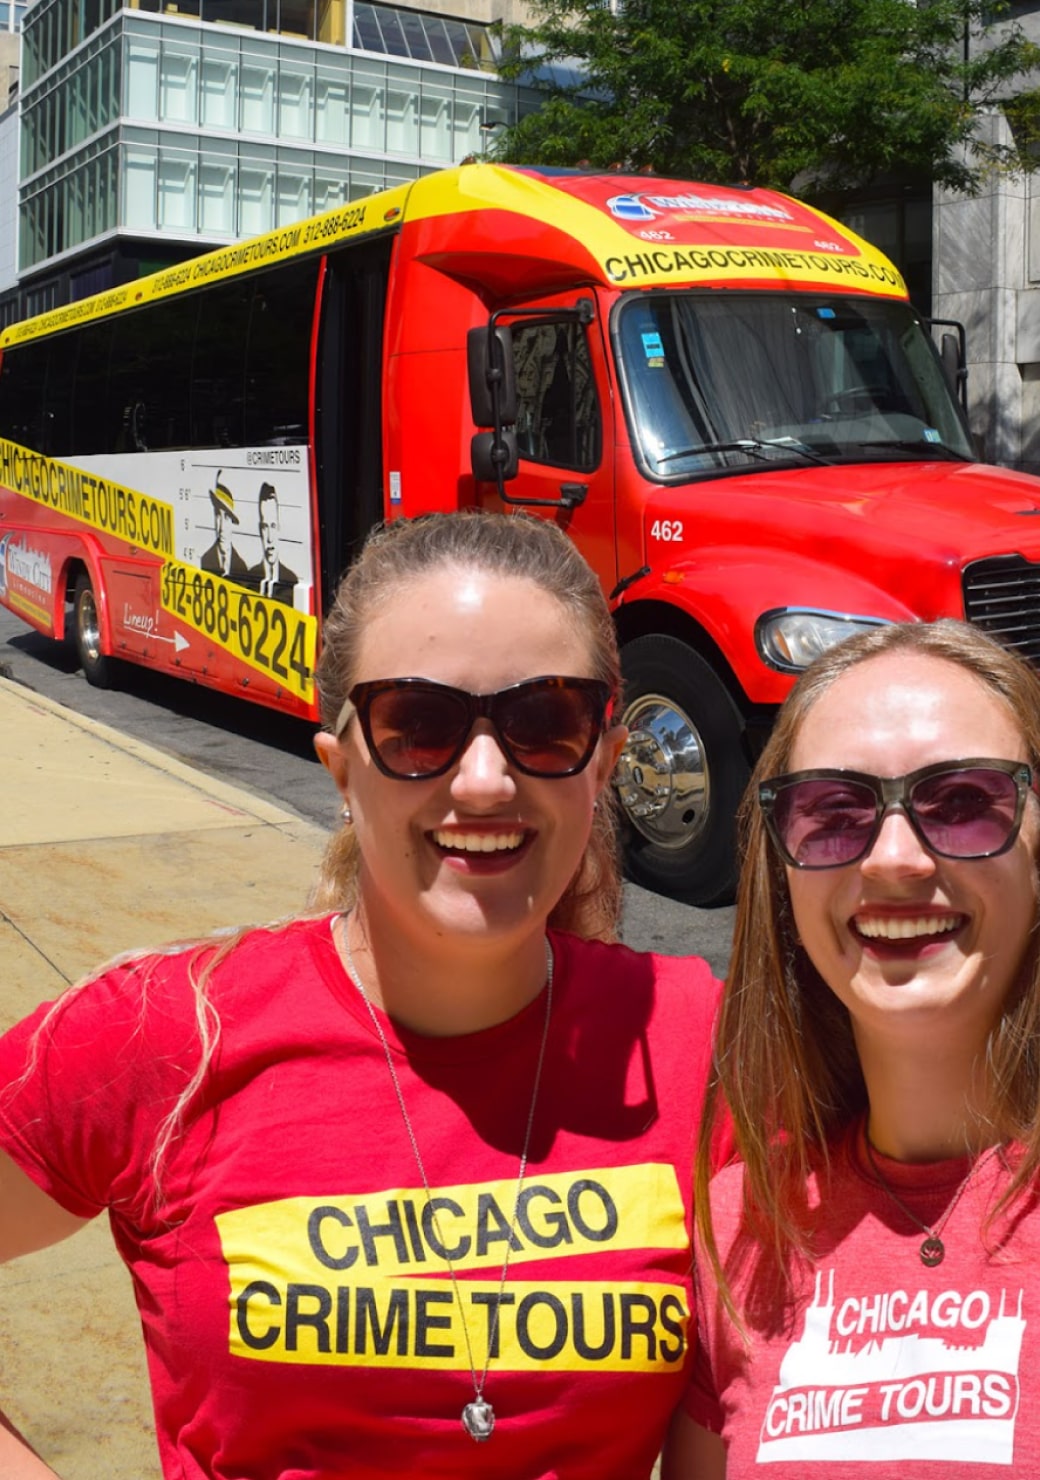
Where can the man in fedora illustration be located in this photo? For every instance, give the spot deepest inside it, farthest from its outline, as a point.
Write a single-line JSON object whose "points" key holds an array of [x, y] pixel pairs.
{"points": [[222, 559]]}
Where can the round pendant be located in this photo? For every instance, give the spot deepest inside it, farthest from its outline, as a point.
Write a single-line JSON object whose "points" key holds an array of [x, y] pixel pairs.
{"points": [[478, 1419], [933, 1251]]}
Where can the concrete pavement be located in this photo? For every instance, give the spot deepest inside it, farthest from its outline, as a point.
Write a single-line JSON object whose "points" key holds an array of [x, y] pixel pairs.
{"points": [[107, 844]]}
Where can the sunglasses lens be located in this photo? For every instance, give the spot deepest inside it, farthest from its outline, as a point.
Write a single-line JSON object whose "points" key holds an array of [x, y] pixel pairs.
{"points": [[966, 813], [416, 732], [550, 729], [825, 823]]}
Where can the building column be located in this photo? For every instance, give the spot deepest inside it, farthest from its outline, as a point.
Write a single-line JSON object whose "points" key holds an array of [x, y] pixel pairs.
{"points": [[981, 276]]}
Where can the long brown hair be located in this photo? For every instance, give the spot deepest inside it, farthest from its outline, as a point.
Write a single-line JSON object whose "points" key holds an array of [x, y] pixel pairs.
{"points": [[785, 1059], [514, 545]]}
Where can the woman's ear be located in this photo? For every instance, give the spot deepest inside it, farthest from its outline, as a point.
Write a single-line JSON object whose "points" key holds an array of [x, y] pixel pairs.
{"points": [[610, 748], [332, 756]]}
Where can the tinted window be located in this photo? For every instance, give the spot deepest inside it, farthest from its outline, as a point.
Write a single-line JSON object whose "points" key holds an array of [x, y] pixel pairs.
{"points": [[558, 417], [150, 376], [92, 427], [218, 374], [278, 355], [226, 367], [22, 379]]}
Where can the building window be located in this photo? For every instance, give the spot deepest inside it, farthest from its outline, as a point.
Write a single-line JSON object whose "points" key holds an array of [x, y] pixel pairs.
{"points": [[140, 167], [295, 95], [219, 80], [423, 38], [176, 198], [178, 94], [258, 78], [256, 197], [332, 107], [217, 194]]}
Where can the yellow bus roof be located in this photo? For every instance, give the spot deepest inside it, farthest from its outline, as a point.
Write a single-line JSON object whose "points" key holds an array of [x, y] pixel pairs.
{"points": [[621, 230]]}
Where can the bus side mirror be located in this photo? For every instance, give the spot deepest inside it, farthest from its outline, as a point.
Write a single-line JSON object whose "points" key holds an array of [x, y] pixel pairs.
{"points": [[953, 356], [492, 378], [950, 354], [494, 457]]}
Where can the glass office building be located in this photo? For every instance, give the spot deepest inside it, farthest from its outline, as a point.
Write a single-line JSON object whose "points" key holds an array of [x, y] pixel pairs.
{"points": [[152, 132]]}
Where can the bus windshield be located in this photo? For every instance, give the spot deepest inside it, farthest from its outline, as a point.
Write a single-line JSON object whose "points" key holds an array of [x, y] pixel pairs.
{"points": [[717, 381]]}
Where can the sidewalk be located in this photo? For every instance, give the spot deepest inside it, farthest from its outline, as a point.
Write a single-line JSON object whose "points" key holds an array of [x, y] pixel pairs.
{"points": [[106, 844]]}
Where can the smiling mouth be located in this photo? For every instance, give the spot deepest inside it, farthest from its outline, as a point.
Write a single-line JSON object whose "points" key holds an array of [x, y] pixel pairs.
{"points": [[910, 927], [467, 842]]}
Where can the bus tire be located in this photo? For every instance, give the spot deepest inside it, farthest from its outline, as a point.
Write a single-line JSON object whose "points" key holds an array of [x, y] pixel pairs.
{"points": [[98, 668], [681, 775]]}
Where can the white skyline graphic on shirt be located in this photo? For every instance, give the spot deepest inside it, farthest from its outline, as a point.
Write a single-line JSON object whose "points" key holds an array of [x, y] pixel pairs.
{"points": [[898, 1395]]}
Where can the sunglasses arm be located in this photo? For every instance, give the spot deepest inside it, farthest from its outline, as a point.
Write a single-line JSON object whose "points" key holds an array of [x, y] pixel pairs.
{"points": [[343, 719]]}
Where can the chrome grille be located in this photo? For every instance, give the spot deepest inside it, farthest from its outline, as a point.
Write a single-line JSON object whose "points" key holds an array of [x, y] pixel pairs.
{"points": [[1002, 596]]}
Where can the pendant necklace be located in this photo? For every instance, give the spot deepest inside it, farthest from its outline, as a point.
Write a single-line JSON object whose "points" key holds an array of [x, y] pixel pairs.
{"points": [[478, 1416], [932, 1250]]}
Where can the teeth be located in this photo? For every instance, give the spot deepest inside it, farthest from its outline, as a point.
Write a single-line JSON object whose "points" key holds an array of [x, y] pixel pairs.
{"points": [[478, 842], [907, 929]]}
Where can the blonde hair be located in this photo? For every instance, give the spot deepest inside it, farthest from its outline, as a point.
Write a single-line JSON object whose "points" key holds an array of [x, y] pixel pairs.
{"points": [[785, 1061], [514, 545]]}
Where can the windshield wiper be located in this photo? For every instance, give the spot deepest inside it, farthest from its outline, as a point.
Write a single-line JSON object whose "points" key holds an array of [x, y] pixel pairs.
{"points": [[754, 447]]}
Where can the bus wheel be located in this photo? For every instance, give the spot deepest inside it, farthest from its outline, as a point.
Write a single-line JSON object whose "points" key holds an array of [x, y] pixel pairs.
{"points": [[98, 669], [681, 774]]}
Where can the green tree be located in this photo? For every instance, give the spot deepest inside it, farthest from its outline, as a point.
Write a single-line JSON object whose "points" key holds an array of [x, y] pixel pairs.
{"points": [[817, 94]]}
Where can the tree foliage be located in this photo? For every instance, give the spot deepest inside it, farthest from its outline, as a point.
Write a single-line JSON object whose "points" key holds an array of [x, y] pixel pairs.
{"points": [[811, 94]]}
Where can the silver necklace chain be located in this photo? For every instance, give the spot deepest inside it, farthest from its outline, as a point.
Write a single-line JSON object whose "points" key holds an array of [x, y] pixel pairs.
{"points": [[478, 1417], [932, 1250]]}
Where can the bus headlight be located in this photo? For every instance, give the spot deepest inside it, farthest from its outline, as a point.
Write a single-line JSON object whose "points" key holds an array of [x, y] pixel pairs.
{"points": [[790, 637]]}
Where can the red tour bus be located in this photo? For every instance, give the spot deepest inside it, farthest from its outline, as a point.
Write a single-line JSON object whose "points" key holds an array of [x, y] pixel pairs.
{"points": [[721, 394]]}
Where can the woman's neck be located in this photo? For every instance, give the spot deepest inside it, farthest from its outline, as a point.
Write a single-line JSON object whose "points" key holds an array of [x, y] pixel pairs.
{"points": [[443, 993], [927, 1106]]}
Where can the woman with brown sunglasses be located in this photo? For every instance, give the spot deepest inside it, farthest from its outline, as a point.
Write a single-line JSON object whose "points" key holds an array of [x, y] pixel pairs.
{"points": [[403, 1184], [869, 1298]]}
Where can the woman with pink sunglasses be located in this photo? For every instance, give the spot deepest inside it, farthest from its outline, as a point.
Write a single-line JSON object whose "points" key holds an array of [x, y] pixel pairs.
{"points": [[403, 1185], [869, 1277]]}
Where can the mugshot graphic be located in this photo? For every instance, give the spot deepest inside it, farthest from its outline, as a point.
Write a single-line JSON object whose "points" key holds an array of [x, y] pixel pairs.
{"points": [[222, 559], [272, 577]]}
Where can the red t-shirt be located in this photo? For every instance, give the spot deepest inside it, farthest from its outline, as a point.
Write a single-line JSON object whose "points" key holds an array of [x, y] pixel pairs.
{"points": [[879, 1365], [299, 1318]]}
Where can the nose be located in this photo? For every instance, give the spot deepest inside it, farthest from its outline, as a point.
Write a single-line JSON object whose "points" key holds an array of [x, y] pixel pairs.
{"points": [[483, 776], [897, 848]]}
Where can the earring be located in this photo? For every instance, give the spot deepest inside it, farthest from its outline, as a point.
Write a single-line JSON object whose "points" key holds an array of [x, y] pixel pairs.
{"points": [[346, 813]]}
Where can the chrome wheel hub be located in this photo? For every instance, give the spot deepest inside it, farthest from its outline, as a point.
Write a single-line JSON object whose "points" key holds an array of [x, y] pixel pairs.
{"points": [[89, 627], [661, 777]]}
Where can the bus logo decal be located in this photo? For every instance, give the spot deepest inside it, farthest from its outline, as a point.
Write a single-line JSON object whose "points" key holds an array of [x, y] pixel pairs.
{"points": [[124, 512], [630, 208]]}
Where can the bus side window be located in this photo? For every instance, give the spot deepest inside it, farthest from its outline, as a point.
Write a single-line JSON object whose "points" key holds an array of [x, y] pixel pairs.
{"points": [[218, 366], [92, 430], [61, 387], [278, 354], [22, 386], [558, 418], [148, 382]]}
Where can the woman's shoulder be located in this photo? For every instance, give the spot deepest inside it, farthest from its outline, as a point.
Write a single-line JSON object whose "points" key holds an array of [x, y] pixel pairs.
{"points": [[615, 957], [159, 984], [676, 986]]}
